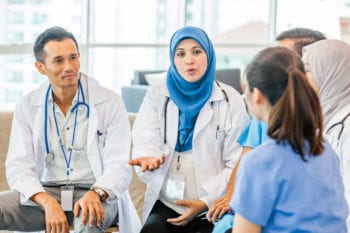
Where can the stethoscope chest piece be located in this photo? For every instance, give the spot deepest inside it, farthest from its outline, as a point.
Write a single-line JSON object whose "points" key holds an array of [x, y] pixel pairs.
{"points": [[49, 158]]}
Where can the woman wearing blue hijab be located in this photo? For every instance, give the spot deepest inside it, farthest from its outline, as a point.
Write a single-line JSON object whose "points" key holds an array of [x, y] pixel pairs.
{"points": [[185, 138]]}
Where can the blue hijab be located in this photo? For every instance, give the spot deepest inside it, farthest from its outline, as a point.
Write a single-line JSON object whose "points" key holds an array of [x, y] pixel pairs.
{"points": [[190, 97]]}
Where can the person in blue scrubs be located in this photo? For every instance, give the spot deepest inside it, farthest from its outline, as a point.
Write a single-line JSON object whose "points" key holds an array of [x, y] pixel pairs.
{"points": [[279, 184], [256, 132]]}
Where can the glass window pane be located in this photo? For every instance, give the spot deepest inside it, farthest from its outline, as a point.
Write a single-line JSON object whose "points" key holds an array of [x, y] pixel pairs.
{"points": [[232, 22], [17, 78], [133, 21], [114, 67], [26, 19], [229, 21], [322, 15]]}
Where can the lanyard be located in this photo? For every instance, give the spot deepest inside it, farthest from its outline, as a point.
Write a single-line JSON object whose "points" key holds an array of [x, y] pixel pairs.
{"points": [[50, 156], [67, 160]]}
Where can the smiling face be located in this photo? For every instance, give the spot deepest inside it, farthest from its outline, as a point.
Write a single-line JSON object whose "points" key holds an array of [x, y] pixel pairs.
{"points": [[61, 64], [190, 60]]}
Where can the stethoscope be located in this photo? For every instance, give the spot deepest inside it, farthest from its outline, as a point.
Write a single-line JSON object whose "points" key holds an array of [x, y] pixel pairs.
{"points": [[166, 149], [49, 155], [341, 128]]}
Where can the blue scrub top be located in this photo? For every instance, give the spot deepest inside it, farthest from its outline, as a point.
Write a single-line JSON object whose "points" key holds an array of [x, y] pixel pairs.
{"points": [[254, 135], [278, 191]]}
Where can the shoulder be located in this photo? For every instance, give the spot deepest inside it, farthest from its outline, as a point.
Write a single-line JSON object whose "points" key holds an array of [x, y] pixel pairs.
{"points": [[337, 131], [156, 94], [270, 153], [342, 116], [35, 99], [98, 93], [230, 91], [160, 89]]}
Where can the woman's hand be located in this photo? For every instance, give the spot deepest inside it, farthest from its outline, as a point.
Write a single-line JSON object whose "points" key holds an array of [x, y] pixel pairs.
{"points": [[148, 163], [218, 209], [194, 207]]}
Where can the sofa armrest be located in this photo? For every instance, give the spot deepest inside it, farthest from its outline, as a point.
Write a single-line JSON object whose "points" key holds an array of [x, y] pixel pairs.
{"points": [[5, 131]]}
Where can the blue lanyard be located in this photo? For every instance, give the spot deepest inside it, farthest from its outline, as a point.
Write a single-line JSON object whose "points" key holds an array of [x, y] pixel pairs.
{"points": [[75, 107]]}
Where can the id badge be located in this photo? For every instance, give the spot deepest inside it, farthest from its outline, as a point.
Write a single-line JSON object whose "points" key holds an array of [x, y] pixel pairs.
{"points": [[175, 187], [67, 197]]}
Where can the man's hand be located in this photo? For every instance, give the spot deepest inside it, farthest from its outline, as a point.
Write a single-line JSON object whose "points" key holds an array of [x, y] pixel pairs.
{"points": [[218, 209], [148, 163], [194, 207], [56, 220], [90, 205]]}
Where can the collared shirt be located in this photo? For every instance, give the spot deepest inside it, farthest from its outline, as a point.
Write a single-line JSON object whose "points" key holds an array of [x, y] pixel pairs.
{"points": [[79, 167]]}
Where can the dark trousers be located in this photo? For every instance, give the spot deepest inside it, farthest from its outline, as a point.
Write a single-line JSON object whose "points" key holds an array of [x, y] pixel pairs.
{"points": [[156, 222]]}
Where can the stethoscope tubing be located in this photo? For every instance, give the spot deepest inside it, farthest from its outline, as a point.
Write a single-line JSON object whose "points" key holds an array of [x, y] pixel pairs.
{"points": [[166, 110], [341, 128], [75, 107]]}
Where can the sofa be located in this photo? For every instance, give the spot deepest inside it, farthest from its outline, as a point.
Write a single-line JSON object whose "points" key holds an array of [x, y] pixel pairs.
{"points": [[136, 188], [133, 94]]}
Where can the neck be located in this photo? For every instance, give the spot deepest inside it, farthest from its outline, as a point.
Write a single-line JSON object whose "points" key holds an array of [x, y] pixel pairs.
{"points": [[64, 97], [267, 108]]}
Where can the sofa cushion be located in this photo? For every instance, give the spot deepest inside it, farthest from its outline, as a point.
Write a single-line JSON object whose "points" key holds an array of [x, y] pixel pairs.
{"points": [[155, 79], [139, 76]]}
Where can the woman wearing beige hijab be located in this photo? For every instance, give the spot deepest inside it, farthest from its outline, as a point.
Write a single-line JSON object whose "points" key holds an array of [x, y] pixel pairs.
{"points": [[327, 64]]}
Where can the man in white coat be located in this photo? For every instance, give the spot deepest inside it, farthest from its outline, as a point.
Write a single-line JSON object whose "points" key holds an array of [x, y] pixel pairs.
{"points": [[69, 148]]}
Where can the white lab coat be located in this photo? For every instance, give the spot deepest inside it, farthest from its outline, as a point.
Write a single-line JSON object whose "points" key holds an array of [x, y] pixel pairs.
{"points": [[108, 154], [341, 147], [214, 154]]}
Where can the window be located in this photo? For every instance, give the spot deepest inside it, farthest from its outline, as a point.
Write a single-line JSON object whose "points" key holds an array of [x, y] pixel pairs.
{"points": [[38, 18], [14, 76], [15, 17], [310, 14], [117, 37], [15, 1]]}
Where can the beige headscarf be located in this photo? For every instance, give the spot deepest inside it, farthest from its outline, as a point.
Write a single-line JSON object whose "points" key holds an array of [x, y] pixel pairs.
{"points": [[330, 65]]}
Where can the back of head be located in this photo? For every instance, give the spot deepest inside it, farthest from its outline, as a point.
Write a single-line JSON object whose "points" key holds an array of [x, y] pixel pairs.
{"points": [[301, 37], [51, 34], [296, 113]]}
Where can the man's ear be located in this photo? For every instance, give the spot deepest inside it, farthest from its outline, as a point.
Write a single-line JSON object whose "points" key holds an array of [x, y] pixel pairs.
{"points": [[258, 96], [40, 67]]}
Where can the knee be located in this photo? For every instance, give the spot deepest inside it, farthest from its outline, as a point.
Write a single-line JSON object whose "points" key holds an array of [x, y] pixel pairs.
{"points": [[85, 228]]}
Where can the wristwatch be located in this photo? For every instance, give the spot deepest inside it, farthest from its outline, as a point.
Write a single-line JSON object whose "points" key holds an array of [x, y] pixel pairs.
{"points": [[100, 192]]}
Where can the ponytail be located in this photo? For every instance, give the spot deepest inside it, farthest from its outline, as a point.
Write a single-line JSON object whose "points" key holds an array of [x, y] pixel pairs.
{"points": [[296, 114]]}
